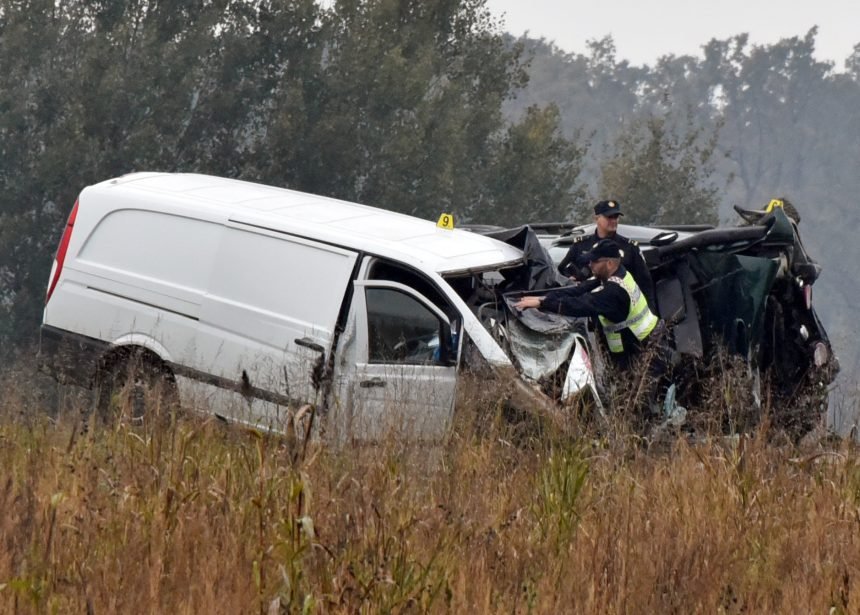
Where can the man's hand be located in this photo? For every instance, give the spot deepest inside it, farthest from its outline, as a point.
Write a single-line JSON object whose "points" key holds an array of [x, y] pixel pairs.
{"points": [[528, 302]]}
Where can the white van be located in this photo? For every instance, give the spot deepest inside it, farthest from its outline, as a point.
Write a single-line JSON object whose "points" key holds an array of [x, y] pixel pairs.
{"points": [[256, 300]]}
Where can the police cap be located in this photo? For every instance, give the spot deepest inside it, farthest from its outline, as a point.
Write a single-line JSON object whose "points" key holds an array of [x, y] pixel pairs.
{"points": [[608, 209], [605, 248]]}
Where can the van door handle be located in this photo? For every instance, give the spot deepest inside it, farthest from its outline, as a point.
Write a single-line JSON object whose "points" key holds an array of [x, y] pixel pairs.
{"points": [[373, 382], [309, 343]]}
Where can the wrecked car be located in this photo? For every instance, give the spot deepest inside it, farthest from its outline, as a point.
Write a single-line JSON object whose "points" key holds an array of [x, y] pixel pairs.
{"points": [[744, 290]]}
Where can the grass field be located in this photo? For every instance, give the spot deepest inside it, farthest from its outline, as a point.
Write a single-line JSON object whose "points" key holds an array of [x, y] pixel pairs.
{"points": [[189, 516]]}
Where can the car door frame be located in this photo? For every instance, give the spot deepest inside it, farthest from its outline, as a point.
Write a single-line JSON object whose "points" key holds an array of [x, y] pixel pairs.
{"points": [[358, 378]]}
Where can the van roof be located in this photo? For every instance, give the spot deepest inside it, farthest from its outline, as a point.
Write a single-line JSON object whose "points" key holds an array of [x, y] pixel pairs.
{"points": [[361, 227]]}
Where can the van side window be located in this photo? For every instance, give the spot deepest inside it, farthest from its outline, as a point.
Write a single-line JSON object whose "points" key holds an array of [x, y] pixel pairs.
{"points": [[401, 329], [393, 272]]}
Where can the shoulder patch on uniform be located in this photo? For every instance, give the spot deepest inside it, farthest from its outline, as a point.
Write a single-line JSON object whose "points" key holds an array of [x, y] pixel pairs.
{"points": [[634, 242], [578, 238]]}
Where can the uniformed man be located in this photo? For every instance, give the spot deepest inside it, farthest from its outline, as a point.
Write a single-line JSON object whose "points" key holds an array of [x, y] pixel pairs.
{"points": [[614, 298], [606, 215]]}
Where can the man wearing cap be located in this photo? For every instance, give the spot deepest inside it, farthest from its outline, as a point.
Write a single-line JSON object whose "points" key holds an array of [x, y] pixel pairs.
{"points": [[606, 215], [614, 298]]}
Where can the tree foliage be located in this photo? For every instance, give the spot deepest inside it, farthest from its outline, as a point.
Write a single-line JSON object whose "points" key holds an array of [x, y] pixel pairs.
{"points": [[395, 103], [534, 176], [662, 178]]}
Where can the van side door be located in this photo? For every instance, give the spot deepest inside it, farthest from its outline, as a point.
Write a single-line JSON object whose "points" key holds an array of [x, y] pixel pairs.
{"points": [[269, 319], [397, 366]]}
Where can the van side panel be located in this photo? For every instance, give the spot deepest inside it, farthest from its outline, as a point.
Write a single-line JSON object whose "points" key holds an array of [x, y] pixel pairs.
{"points": [[158, 247], [138, 274], [269, 318]]}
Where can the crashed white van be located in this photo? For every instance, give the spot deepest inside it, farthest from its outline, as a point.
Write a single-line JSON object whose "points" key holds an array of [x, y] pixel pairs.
{"points": [[252, 301]]}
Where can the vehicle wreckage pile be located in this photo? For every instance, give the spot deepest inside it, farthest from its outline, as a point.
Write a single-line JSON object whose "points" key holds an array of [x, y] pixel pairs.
{"points": [[738, 299]]}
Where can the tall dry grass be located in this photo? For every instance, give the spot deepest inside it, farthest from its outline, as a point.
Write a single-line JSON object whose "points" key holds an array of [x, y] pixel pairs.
{"points": [[185, 515]]}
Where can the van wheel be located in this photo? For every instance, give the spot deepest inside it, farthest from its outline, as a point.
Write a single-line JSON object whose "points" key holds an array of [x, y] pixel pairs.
{"points": [[136, 386]]}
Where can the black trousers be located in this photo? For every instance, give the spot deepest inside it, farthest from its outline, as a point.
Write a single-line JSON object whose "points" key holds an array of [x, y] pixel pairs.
{"points": [[650, 368], [657, 365]]}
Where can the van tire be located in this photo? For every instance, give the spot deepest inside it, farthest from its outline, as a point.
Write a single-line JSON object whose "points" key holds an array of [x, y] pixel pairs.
{"points": [[135, 385]]}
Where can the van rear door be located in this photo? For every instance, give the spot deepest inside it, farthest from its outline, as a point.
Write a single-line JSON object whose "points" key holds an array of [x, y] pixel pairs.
{"points": [[398, 363]]}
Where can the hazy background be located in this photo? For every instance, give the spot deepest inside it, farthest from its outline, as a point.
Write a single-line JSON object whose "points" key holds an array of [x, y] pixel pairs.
{"points": [[644, 31]]}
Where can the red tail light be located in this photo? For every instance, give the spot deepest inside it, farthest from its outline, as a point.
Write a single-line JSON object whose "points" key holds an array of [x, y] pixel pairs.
{"points": [[60, 258], [807, 296]]}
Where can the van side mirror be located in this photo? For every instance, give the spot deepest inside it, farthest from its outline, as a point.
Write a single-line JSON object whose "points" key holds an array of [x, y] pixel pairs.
{"points": [[447, 346]]}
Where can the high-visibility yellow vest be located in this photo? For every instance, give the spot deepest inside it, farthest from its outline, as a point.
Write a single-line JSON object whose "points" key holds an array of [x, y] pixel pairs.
{"points": [[640, 319]]}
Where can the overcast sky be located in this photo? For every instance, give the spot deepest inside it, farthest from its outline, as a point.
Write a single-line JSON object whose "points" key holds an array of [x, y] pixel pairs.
{"points": [[644, 30]]}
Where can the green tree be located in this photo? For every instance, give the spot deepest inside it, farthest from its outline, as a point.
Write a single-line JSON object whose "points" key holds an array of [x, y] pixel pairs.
{"points": [[662, 178], [412, 120], [33, 79], [258, 93], [406, 100], [534, 176], [396, 103]]}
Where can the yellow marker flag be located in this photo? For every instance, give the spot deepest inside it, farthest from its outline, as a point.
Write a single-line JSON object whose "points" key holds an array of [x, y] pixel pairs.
{"points": [[446, 221], [773, 203]]}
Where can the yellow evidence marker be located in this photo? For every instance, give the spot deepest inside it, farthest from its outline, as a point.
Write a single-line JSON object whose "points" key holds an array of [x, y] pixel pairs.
{"points": [[446, 221], [774, 203]]}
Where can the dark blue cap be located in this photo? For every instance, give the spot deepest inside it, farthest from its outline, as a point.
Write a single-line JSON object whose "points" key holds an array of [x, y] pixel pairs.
{"points": [[608, 208], [605, 248]]}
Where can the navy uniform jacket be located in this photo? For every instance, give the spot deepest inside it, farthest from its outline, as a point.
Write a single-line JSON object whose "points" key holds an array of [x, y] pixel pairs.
{"points": [[593, 298], [631, 259]]}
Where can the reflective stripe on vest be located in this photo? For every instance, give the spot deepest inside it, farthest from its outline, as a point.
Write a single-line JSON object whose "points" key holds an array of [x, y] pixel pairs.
{"points": [[640, 319]]}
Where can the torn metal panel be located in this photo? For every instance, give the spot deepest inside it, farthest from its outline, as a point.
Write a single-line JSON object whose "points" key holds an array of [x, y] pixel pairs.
{"points": [[539, 355], [733, 298]]}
